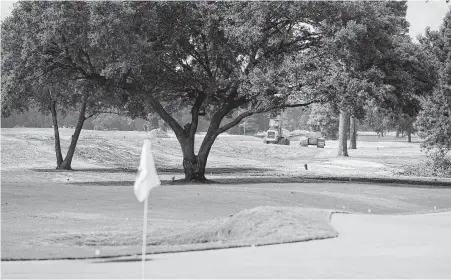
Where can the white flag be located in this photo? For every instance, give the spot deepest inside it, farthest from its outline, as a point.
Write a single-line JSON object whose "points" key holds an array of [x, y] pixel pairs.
{"points": [[147, 177]]}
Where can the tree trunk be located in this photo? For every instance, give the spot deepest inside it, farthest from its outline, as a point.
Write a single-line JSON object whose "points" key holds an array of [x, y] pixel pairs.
{"points": [[192, 164], [194, 168], [59, 155], [353, 133], [343, 134], [409, 134], [66, 164]]}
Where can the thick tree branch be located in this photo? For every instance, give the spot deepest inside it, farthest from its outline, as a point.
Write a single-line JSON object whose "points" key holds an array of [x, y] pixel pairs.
{"points": [[309, 40], [233, 93], [195, 113], [100, 112], [157, 107], [300, 104], [88, 60]]}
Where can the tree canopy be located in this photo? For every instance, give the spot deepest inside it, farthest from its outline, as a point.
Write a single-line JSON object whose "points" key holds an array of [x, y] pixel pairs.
{"points": [[434, 121]]}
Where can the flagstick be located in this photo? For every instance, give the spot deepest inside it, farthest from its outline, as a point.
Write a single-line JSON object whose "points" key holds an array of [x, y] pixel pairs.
{"points": [[144, 238]]}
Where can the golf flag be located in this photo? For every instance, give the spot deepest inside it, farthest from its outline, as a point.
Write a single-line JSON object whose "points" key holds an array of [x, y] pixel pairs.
{"points": [[147, 177]]}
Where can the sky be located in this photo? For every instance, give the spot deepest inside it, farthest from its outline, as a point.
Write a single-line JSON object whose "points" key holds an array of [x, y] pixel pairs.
{"points": [[420, 14]]}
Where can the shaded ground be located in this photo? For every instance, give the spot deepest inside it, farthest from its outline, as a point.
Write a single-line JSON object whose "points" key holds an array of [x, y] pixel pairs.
{"points": [[369, 246]]}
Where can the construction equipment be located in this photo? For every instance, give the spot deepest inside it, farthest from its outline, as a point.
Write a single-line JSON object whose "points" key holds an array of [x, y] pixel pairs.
{"points": [[276, 134], [313, 138]]}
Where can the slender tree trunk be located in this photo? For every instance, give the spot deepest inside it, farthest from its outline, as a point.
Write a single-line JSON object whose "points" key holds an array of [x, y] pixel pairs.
{"points": [[410, 129], [207, 143], [67, 162], [59, 155], [353, 133], [409, 134], [343, 134]]}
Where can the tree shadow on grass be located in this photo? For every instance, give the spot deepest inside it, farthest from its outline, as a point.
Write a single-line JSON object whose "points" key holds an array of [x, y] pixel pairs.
{"points": [[122, 260], [93, 170], [214, 170], [387, 182]]}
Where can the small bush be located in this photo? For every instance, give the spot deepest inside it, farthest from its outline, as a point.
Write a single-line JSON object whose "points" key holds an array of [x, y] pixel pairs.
{"points": [[437, 164]]}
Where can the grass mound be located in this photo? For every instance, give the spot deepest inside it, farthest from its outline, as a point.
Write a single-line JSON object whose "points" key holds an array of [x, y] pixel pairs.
{"points": [[267, 225], [257, 226]]}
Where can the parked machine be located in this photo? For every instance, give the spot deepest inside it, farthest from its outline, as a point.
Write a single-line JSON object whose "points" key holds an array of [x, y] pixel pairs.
{"points": [[276, 134], [313, 138]]}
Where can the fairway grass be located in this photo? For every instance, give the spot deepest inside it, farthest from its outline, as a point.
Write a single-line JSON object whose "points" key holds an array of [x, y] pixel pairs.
{"points": [[26, 148]]}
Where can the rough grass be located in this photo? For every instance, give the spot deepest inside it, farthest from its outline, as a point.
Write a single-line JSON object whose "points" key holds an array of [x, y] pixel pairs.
{"points": [[257, 226], [435, 165]]}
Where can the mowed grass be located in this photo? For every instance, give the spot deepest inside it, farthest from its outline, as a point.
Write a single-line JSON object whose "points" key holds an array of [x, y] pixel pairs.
{"points": [[65, 220], [34, 148], [385, 156], [55, 214]]}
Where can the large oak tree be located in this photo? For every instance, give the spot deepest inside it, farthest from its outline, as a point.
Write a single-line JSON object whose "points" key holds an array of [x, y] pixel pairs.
{"points": [[216, 58]]}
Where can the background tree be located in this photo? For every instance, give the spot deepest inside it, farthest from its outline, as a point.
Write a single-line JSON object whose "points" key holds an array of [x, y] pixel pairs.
{"points": [[379, 60], [111, 122], [297, 118], [325, 117], [249, 126], [434, 121], [353, 132], [361, 33], [403, 124], [32, 77]]}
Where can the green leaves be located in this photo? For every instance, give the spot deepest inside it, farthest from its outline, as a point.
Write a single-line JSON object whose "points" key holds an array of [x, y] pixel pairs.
{"points": [[256, 56]]}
